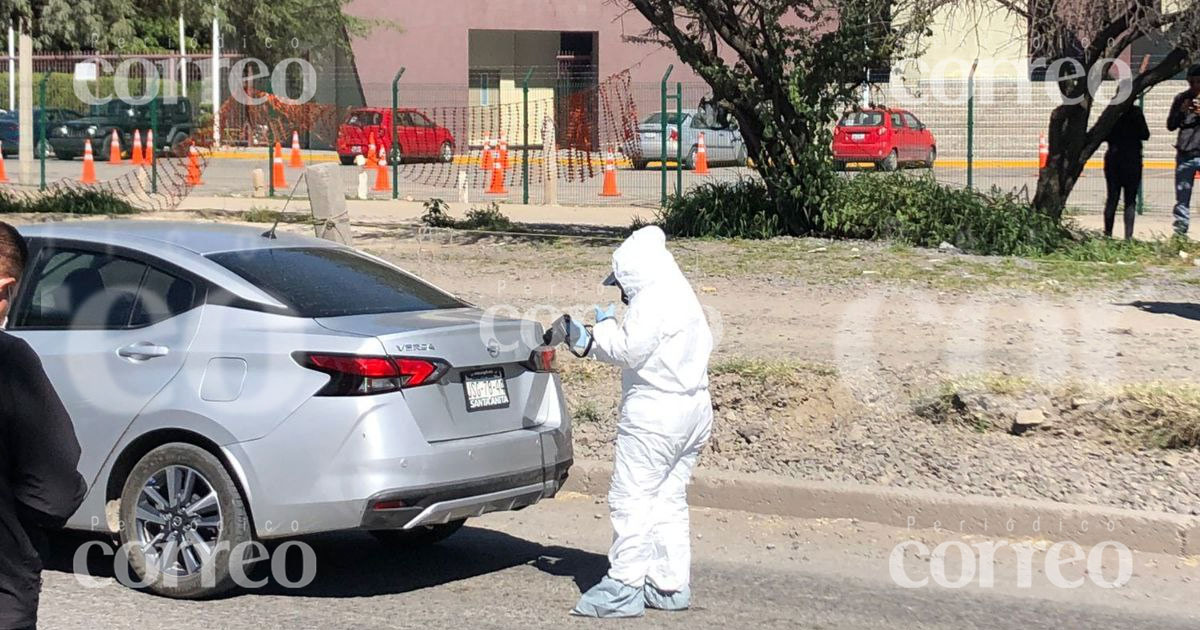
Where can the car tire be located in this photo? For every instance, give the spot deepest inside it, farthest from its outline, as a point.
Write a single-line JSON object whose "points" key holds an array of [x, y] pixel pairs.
{"points": [[418, 536], [640, 165], [741, 158], [346, 160], [221, 522], [890, 163], [689, 162], [64, 156], [839, 165], [931, 157], [446, 153]]}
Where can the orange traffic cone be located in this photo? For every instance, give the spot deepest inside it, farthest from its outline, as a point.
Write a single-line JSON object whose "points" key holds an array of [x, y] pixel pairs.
{"points": [[610, 177], [114, 149], [372, 162], [89, 164], [148, 154], [135, 155], [1043, 151], [3, 174], [701, 167], [297, 160], [193, 168], [497, 184], [504, 154], [277, 167], [487, 155], [382, 183]]}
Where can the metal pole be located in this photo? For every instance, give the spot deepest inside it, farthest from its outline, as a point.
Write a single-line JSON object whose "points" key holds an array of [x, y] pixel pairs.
{"points": [[154, 150], [12, 69], [270, 140], [216, 78], [394, 156], [1141, 198], [971, 126], [182, 60], [525, 137], [679, 145], [41, 145], [662, 117]]}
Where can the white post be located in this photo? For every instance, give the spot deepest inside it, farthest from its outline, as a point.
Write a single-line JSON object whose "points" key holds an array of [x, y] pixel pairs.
{"points": [[216, 79], [25, 117], [12, 69], [182, 60]]}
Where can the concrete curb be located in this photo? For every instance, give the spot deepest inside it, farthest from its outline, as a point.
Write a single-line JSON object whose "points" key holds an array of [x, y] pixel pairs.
{"points": [[1152, 532]]}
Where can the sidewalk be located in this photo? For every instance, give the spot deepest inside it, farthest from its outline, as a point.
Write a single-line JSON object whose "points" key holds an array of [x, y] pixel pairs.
{"points": [[372, 211]]}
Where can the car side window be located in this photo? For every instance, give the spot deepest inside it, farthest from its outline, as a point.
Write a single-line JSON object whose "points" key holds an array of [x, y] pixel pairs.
{"points": [[420, 120], [897, 122], [404, 119], [161, 297], [912, 121], [81, 290]]}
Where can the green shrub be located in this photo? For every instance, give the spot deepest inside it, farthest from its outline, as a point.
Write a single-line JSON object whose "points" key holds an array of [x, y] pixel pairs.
{"points": [[437, 215], [921, 212], [67, 200], [737, 209], [488, 219]]}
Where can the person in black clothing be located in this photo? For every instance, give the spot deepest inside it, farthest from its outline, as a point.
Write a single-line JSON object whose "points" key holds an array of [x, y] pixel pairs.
{"points": [[39, 453], [1123, 167], [1185, 117]]}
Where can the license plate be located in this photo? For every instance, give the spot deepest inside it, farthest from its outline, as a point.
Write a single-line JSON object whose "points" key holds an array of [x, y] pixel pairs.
{"points": [[858, 137], [356, 149], [485, 389]]}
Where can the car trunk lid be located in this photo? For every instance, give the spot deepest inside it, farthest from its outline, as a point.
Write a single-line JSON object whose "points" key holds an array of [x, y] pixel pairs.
{"points": [[488, 359]]}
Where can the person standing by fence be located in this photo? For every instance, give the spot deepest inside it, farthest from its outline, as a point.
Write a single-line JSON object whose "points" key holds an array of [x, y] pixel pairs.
{"points": [[1185, 118], [1123, 167]]}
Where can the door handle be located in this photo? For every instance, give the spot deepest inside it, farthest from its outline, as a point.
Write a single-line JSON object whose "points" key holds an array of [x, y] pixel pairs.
{"points": [[143, 351]]}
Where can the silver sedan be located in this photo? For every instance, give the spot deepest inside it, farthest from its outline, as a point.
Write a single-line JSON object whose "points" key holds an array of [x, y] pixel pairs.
{"points": [[228, 386]]}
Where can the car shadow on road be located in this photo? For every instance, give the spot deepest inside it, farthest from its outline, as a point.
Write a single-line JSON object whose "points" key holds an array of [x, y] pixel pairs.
{"points": [[356, 565], [1186, 310]]}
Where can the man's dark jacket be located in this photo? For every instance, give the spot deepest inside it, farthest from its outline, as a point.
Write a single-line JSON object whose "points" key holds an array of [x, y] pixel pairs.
{"points": [[40, 486]]}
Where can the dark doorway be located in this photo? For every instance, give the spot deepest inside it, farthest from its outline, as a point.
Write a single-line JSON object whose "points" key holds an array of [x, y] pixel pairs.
{"points": [[576, 99]]}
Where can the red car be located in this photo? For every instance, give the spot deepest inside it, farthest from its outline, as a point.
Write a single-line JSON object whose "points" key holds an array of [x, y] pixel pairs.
{"points": [[883, 136], [418, 136]]}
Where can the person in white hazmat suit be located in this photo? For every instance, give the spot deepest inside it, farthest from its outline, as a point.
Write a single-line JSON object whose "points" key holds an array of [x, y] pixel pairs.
{"points": [[663, 347]]}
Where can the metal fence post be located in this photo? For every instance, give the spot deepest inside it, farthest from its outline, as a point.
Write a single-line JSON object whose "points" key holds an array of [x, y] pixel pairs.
{"points": [[394, 156], [154, 149], [41, 144], [662, 116], [1141, 198], [679, 144], [525, 137], [971, 126], [270, 142]]}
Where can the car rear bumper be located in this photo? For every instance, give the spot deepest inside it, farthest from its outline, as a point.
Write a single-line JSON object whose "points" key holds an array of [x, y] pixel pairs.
{"points": [[865, 153], [442, 504], [651, 148], [327, 465]]}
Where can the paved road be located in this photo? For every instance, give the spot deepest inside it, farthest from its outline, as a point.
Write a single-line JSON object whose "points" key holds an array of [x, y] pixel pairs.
{"points": [[423, 181], [524, 570]]}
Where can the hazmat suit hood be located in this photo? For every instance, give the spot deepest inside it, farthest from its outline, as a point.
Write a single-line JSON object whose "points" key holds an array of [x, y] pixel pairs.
{"points": [[643, 260]]}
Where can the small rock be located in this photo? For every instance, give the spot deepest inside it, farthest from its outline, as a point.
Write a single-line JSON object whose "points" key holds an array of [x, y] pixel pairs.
{"points": [[948, 247], [1184, 255], [819, 250], [1172, 459], [1030, 417]]}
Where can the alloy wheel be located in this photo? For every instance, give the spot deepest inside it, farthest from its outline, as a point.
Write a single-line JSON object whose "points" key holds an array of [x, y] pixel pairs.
{"points": [[178, 520]]}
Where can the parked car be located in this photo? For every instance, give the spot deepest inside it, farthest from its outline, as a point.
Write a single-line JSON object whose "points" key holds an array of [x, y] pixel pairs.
{"points": [[175, 126], [228, 386], [885, 137], [10, 126], [418, 136], [722, 144]]}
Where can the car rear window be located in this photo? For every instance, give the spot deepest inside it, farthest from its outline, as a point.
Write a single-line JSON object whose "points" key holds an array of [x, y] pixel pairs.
{"points": [[329, 282], [657, 119], [862, 119], [363, 119]]}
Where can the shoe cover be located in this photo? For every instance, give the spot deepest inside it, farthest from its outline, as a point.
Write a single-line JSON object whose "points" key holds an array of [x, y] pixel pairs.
{"points": [[610, 599]]}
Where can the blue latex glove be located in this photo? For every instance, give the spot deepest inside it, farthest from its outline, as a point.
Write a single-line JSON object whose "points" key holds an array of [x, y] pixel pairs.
{"points": [[580, 338], [609, 312]]}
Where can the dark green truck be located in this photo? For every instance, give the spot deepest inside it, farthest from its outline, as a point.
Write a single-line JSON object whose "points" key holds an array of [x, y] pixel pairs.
{"points": [[176, 124]]}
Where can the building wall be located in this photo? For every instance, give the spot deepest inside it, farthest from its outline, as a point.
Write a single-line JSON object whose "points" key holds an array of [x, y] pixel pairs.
{"points": [[431, 40], [963, 33]]}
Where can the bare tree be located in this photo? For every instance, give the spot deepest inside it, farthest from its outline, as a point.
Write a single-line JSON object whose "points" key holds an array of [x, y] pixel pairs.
{"points": [[786, 69], [1080, 39]]}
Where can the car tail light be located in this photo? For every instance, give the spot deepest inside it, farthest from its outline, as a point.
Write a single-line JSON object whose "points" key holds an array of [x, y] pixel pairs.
{"points": [[674, 136], [544, 359], [354, 375]]}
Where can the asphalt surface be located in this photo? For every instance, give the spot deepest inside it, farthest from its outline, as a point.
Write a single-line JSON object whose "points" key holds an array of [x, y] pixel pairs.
{"points": [[421, 181], [525, 570]]}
